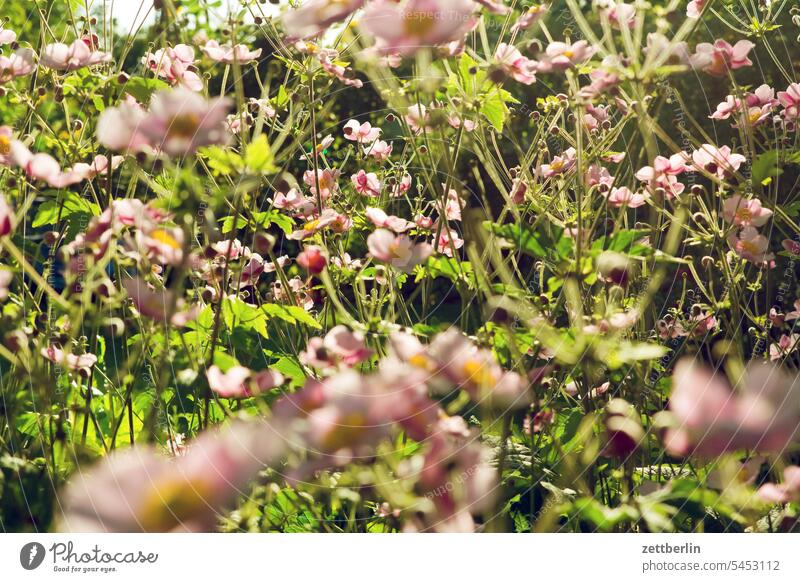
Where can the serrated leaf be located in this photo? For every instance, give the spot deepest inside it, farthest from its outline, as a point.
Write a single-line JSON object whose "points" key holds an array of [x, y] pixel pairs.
{"points": [[142, 88]]}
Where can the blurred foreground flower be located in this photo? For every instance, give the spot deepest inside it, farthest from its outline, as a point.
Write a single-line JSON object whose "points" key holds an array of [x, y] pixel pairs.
{"points": [[142, 490], [708, 418]]}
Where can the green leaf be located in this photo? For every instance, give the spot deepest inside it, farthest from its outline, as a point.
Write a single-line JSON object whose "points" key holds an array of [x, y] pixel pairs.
{"points": [[237, 313], [68, 204], [303, 316], [769, 165], [535, 243], [281, 99], [495, 109], [223, 162], [291, 369], [291, 314], [258, 158], [142, 89], [615, 355]]}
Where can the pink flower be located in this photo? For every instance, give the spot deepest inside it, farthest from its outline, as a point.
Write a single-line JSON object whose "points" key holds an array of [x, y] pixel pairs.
{"points": [[719, 161], [417, 119], [401, 187], [340, 347], [366, 183], [595, 117], [621, 14], [453, 205], [741, 212], [721, 57], [757, 105], [750, 245], [44, 167], [447, 241], [79, 363], [786, 345], [313, 259], [518, 190], [118, 127], [326, 180], [361, 132], [560, 56], [530, 17], [788, 491], [624, 197], [514, 64], [241, 382], [399, 251], [672, 166], [175, 65], [7, 36], [327, 217], [71, 57], [6, 138], [314, 16], [603, 78], [382, 220], [791, 246], [7, 218], [380, 150], [763, 95], [229, 54], [19, 64], [179, 122], [159, 305], [730, 106], [426, 222], [456, 477], [455, 122], [597, 175], [457, 361], [161, 244], [494, 7], [340, 72], [560, 164], [141, 489], [347, 346], [294, 201], [790, 99], [659, 45], [403, 28], [708, 418], [695, 8]]}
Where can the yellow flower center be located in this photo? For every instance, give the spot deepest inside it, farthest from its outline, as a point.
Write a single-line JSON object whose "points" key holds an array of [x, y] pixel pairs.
{"points": [[419, 361], [184, 125], [5, 145], [479, 373], [165, 238], [310, 225], [170, 503], [556, 165], [751, 247], [419, 22], [348, 431]]}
